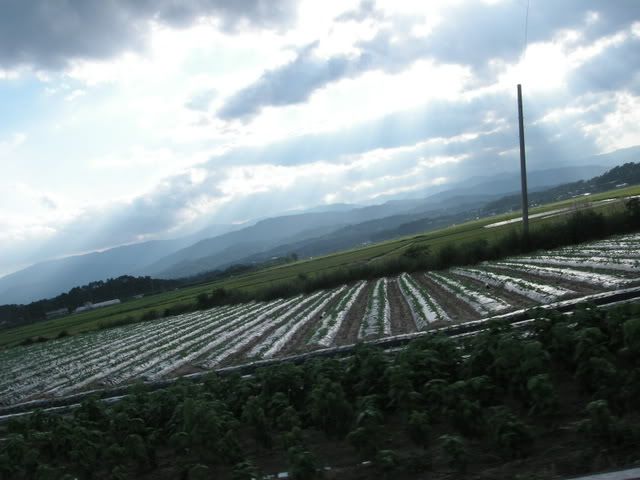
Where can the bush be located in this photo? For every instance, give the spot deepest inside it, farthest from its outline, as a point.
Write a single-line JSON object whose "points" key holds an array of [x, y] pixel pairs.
{"points": [[149, 315], [177, 309], [454, 452], [509, 434], [419, 427], [302, 464]]}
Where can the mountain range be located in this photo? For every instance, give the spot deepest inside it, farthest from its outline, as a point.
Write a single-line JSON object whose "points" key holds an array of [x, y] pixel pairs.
{"points": [[311, 232]]}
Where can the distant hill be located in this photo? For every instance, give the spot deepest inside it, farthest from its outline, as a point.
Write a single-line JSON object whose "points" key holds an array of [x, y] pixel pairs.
{"points": [[53, 277], [458, 209], [623, 175], [338, 230], [309, 232]]}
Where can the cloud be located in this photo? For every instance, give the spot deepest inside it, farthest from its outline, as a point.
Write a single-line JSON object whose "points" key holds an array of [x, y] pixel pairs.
{"points": [[12, 142], [474, 34], [402, 153], [48, 35], [290, 84], [614, 68], [48, 202], [331, 148], [201, 101]]}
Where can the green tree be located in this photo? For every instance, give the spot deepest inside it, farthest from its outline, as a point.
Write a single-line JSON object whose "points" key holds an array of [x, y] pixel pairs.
{"points": [[329, 408]]}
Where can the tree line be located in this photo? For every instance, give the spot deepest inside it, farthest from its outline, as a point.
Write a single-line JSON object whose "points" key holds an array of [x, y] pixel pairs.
{"points": [[122, 288], [626, 174]]}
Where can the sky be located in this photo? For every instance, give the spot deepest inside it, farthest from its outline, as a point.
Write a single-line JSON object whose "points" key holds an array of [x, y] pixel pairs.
{"points": [[130, 120]]}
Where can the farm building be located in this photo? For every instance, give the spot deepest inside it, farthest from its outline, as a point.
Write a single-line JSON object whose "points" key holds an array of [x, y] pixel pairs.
{"points": [[93, 306]]}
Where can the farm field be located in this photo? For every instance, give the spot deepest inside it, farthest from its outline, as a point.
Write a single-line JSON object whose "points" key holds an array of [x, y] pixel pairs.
{"points": [[360, 311], [370, 254]]}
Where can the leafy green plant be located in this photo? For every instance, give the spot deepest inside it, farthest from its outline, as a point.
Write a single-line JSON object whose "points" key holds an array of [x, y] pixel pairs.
{"points": [[419, 427], [511, 436], [454, 452], [541, 395], [245, 470], [388, 462], [329, 407], [302, 464]]}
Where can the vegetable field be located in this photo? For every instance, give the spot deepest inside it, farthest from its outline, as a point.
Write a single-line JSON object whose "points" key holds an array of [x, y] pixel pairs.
{"points": [[361, 311]]}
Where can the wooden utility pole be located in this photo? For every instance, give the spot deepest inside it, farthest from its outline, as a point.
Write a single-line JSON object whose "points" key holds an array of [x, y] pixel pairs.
{"points": [[523, 170]]}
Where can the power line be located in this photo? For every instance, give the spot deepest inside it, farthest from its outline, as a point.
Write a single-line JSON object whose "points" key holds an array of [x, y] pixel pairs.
{"points": [[526, 28]]}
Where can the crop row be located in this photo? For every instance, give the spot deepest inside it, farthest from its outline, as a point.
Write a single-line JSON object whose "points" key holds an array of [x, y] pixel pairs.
{"points": [[222, 335]]}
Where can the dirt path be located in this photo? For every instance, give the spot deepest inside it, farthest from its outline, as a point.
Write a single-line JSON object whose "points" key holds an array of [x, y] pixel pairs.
{"points": [[516, 301], [348, 331], [458, 310], [401, 318]]}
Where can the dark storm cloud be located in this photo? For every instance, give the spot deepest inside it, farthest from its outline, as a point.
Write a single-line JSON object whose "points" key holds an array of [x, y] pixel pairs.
{"points": [[48, 34], [472, 34]]}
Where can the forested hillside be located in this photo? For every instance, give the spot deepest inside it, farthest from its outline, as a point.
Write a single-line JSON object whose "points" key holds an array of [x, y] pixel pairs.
{"points": [[121, 288], [623, 175]]}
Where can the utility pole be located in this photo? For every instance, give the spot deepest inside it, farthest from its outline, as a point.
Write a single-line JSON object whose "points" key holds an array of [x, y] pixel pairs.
{"points": [[523, 170]]}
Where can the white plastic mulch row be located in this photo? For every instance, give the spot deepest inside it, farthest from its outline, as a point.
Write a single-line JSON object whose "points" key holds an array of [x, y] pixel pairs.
{"points": [[605, 263], [591, 278], [291, 322], [377, 318], [167, 358], [50, 354], [332, 320], [288, 331], [631, 252], [109, 345], [627, 246], [482, 303], [122, 364], [423, 307], [219, 337], [535, 291], [242, 337]]}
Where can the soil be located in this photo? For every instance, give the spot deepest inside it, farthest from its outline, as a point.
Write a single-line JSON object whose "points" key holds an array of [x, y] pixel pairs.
{"points": [[515, 300], [348, 331], [458, 310], [298, 344], [401, 318], [241, 355]]}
